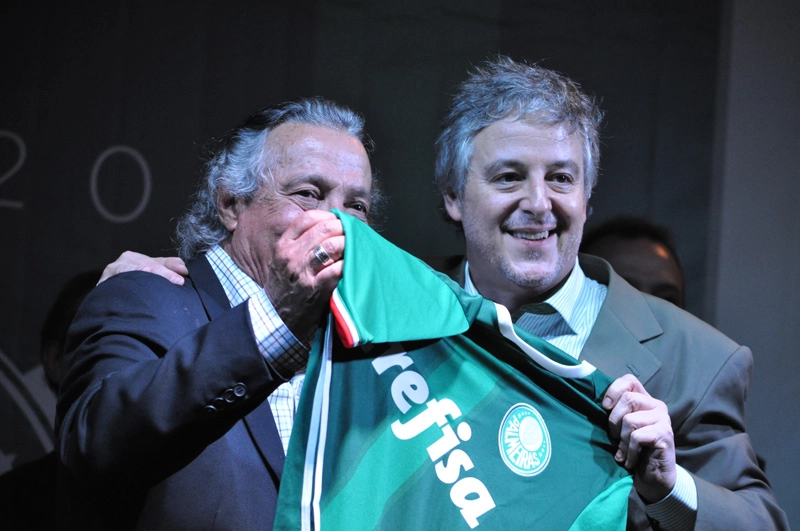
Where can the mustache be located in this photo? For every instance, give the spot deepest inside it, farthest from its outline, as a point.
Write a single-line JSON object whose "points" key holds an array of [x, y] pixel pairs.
{"points": [[525, 219]]}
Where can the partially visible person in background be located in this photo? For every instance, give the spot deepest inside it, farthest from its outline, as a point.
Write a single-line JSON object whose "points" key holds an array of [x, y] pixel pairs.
{"points": [[28, 492], [56, 324], [642, 253]]}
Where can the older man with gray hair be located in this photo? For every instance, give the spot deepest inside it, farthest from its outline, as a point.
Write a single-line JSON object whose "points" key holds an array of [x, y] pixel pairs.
{"points": [[177, 400]]}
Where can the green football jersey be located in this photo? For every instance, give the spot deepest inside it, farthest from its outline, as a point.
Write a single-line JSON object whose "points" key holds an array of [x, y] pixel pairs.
{"points": [[428, 409]]}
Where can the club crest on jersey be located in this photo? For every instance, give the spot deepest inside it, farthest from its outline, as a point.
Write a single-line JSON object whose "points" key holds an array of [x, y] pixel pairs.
{"points": [[524, 440]]}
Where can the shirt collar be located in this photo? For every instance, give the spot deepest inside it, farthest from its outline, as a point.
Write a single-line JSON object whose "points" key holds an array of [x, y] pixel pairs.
{"points": [[563, 301], [237, 285]]}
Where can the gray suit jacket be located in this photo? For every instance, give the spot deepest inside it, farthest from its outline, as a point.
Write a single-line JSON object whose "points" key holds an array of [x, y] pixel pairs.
{"points": [[703, 377]]}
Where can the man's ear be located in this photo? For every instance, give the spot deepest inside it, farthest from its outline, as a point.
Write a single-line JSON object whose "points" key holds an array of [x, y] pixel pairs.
{"points": [[228, 208], [453, 205]]}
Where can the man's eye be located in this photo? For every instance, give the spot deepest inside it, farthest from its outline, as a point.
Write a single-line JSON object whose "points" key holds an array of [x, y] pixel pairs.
{"points": [[561, 178], [311, 194], [359, 207], [508, 177]]}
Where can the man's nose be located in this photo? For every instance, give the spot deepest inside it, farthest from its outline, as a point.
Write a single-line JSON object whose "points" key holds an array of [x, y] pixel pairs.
{"points": [[535, 196]]}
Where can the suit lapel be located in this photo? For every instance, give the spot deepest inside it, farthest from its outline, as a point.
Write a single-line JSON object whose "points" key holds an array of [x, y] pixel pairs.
{"points": [[625, 322], [208, 287], [260, 422]]}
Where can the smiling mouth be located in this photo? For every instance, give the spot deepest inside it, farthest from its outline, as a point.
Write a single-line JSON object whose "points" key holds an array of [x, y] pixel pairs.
{"points": [[535, 236]]}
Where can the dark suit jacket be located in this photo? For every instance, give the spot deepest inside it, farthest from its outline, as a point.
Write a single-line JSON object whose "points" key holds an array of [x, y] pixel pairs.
{"points": [[162, 418], [703, 377]]}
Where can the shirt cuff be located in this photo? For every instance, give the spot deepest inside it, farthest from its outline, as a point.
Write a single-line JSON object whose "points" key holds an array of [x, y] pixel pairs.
{"points": [[678, 511], [280, 348]]}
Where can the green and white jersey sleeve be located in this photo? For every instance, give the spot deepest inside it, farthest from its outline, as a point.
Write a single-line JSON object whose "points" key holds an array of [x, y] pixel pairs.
{"points": [[443, 415]]}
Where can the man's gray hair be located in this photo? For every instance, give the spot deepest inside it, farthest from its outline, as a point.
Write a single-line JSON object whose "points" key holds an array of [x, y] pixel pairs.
{"points": [[505, 89], [238, 165]]}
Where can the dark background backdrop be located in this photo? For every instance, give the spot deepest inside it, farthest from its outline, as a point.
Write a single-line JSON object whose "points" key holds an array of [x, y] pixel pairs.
{"points": [[105, 106]]}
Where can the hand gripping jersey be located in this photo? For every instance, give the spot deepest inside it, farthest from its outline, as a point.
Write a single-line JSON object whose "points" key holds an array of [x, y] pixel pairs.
{"points": [[428, 409]]}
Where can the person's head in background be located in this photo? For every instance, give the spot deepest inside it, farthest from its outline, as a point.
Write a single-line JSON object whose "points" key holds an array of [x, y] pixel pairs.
{"points": [[57, 321], [642, 253]]}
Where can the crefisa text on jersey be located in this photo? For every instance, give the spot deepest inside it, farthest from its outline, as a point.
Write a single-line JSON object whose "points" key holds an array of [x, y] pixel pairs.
{"points": [[468, 493]]}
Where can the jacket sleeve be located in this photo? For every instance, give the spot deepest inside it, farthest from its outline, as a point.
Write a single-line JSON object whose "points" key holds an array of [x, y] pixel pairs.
{"points": [[712, 444], [703, 377], [149, 382]]}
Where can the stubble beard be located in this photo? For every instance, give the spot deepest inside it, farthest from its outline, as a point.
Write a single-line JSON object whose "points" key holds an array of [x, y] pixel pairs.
{"points": [[530, 280], [538, 282], [545, 280]]}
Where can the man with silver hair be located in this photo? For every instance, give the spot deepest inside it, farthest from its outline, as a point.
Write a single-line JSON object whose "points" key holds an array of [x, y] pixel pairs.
{"points": [[177, 400], [516, 164]]}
